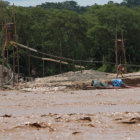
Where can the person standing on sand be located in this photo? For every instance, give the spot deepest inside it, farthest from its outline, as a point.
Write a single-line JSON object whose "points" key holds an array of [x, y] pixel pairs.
{"points": [[120, 70]]}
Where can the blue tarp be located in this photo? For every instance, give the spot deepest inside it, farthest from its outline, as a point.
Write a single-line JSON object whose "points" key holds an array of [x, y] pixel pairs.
{"points": [[117, 83]]}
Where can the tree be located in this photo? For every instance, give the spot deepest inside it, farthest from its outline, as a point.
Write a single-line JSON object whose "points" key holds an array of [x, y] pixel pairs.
{"points": [[131, 3], [65, 28], [102, 22], [65, 33], [4, 10], [67, 5]]}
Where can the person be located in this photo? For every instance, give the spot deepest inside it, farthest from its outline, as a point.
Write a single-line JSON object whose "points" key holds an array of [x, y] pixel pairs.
{"points": [[118, 83], [98, 84], [33, 72], [120, 70]]}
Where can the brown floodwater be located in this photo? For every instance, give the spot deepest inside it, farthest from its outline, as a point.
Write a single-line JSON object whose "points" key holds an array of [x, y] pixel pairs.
{"points": [[70, 115]]}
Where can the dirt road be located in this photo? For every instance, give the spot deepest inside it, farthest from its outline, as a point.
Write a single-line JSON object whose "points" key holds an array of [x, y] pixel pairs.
{"points": [[70, 115]]}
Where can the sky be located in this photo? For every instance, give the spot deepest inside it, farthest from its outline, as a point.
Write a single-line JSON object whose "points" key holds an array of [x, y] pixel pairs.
{"points": [[38, 2]]}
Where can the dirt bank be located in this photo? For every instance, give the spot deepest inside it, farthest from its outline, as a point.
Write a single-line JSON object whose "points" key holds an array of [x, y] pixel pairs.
{"points": [[52, 108], [74, 80]]}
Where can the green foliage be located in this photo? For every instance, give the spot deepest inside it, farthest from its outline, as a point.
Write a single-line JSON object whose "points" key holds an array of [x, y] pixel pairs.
{"points": [[60, 29], [103, 21], [4, 11], [67, 5], [106, 68], [131, 3]]}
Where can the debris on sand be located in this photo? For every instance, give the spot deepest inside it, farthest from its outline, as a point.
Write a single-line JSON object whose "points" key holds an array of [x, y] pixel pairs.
{"points": [[41, 125], [58, 119], [85, 119], [36, 125], [132, 121], [91, 125], [6, 116], [118, 119], [75, 133]]}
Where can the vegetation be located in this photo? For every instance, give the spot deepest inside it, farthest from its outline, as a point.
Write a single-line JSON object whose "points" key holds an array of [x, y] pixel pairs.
{"points": [[69, 30], [67, 5]]}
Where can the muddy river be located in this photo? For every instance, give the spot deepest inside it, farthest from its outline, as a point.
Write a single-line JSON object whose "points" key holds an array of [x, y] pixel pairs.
{"points": [[112, 114]]}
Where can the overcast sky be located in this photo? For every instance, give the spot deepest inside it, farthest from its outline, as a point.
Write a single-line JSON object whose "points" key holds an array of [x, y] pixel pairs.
{"points": [[37, 2]]}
